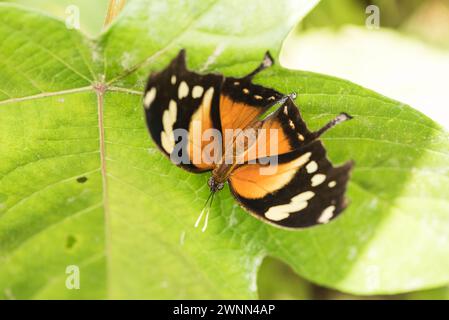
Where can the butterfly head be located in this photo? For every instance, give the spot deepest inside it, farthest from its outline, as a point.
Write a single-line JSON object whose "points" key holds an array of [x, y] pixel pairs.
{"points": [[214, 185]]}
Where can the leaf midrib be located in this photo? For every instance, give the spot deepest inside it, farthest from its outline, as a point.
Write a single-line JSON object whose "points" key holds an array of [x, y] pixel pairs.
{"points": [[100, 90]]}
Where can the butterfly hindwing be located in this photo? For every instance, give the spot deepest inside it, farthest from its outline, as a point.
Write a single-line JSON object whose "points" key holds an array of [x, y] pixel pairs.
{"points": [[296, 186], [177, 98], [306, 190]]}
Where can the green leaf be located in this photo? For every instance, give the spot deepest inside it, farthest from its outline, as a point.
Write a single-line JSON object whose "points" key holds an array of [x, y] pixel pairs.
{"points": [[129, 226], [58, 126]]}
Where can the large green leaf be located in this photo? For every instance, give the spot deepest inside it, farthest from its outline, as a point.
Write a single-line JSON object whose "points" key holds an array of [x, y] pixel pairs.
{"points": [[129, 227]]}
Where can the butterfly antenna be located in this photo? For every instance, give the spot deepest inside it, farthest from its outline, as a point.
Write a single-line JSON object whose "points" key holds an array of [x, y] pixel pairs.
{"points": [[205, 208], [342, 117], [267, 62], [207, 212], [292, 96]]}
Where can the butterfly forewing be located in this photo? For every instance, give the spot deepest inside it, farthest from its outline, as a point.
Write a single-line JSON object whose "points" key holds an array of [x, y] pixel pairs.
{"points": [[175, 99], [242, 102], [280, 132]]}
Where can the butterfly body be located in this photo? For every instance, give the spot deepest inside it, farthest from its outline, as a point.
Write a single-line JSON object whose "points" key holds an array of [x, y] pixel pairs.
{"points": [[276, 168], [223, 168]]}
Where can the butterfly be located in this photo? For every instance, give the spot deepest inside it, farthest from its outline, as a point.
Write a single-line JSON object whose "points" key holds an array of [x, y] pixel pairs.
{"points": [[275, 166]]}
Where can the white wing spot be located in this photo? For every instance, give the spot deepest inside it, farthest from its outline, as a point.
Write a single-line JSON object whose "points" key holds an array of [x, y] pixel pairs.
{"points": [[312, 167], [236, 83], [327, 214], [168, 142], [168, 120], [197, 91], [276, 215], [257, 97], [318, 179], [172, 109], [183, 90], [292, 125], [173, 79], [149, 98], [197, 118], [245, 91], [332, 184], [286, 110], [300, 137], [297, 203]]}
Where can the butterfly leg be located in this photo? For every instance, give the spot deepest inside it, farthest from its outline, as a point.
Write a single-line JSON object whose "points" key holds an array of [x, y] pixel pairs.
{"points": [[267, 62], [342, 117]]}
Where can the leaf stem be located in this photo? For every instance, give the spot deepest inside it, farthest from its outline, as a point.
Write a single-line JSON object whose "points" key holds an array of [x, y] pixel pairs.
{"points": [[114, 8]]}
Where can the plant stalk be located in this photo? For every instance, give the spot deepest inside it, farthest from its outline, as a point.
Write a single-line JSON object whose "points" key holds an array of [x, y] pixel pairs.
{"points": [[114, 8]]}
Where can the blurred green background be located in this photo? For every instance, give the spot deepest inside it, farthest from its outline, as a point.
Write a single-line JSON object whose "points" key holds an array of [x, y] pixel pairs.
{"points": [[92, 13], [397, 60]]}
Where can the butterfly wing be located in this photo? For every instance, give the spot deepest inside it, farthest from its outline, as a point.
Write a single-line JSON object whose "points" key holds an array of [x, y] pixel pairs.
{"points": [[180, 105], [242, 102], [280, 132], [296, 187]]}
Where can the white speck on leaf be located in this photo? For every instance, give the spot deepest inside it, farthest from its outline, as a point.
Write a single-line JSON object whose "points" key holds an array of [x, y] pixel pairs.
{"points": [[96, 52], [233, 220], [153, 151], [213, 57], [252, 273], [373, 203], [126, 60], [182, 238], [352, 253]]}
